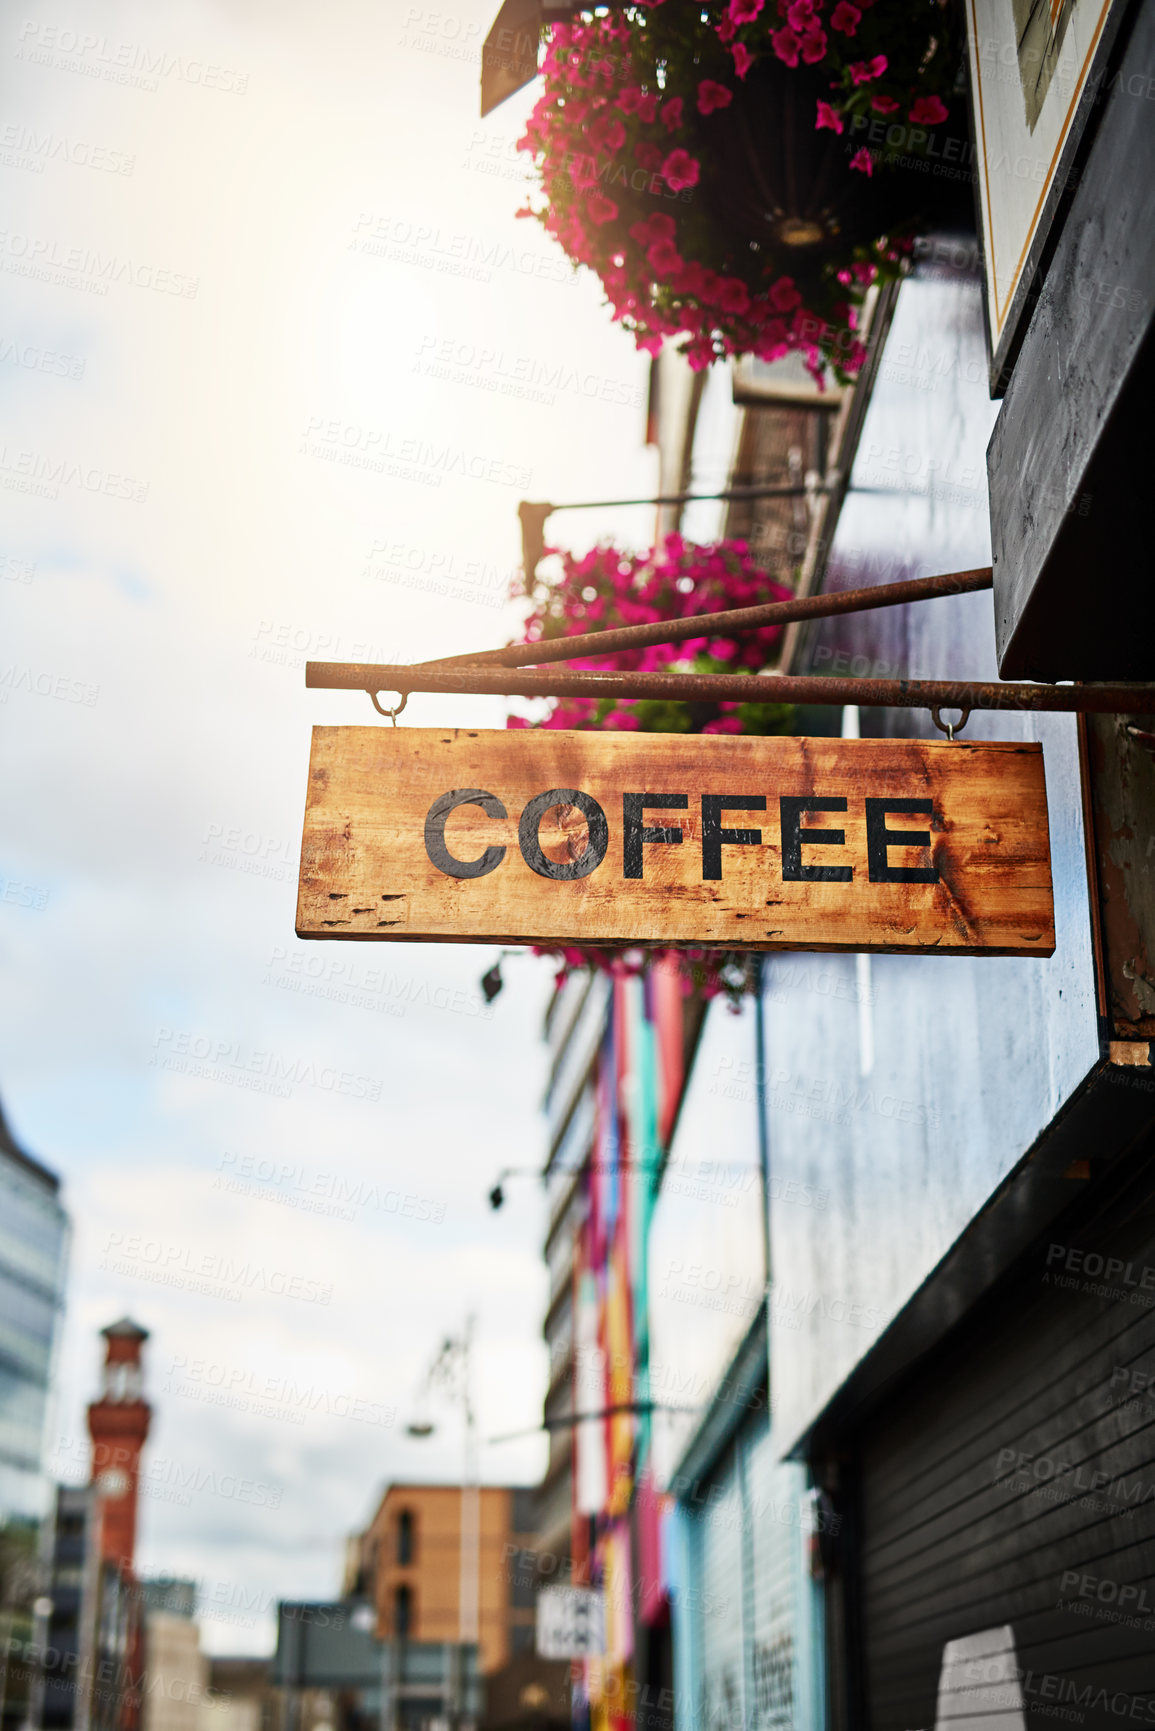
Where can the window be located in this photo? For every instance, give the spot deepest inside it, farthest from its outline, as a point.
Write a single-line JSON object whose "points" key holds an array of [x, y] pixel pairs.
{"points": [[406, 1538], [523, 1584], [403, 1613]]}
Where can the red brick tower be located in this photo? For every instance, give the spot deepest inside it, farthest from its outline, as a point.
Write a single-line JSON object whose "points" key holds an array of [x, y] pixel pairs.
{"points": [[118, 1424]]}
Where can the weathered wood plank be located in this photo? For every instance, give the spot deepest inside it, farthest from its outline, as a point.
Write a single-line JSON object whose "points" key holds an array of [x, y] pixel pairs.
{"points": [[456, 836]]}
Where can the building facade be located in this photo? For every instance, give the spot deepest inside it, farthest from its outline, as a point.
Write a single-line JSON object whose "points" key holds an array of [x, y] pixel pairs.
{"points": [[34, 1233], [896, 1244], [176, 1672], [91, 1655], [410, 1565], [34, 1238], [240, 1693], [330, 1668], [118, 1423]]}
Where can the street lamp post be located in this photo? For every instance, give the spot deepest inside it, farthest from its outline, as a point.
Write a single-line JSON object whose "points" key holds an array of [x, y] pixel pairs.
{"points": [[451, 1373], [469, 1596]]}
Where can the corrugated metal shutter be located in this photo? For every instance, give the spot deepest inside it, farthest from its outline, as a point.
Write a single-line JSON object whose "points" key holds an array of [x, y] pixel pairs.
{"points": [[719, 1621], [755, 1662], [773, 1500], [1007, 1500]]}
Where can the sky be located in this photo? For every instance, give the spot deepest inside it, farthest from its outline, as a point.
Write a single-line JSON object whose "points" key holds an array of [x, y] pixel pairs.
{"points": [[277, 363]]}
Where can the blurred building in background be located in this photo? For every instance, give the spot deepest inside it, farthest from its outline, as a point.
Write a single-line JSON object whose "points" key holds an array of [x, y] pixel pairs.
{"points": [[240, 1693], [93, 1640], [410, 1565], [118, 1423], [391, 1655], [330, 1670], [176, 1672], [618, 1051], [34, 1235]]}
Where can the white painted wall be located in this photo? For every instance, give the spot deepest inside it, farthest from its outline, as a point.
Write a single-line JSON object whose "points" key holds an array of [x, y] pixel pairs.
{"points": [[972, 1057]]}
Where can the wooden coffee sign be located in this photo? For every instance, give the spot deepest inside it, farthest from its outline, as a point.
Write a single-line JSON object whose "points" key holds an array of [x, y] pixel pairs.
{"points": [[535, 836]]}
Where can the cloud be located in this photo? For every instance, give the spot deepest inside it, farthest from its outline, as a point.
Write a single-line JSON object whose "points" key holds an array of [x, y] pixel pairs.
{"points": [[190, 554]]}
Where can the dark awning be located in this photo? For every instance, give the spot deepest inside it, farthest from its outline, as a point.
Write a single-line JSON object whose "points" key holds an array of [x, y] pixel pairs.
{"points": [[509, 57]]}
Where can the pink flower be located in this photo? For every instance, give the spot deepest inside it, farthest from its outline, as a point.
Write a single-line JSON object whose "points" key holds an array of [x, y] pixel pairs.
{"points": [[633, 100], [883, 104], [602, 209], [743, 59], [929, 111], [745, 11], [863, 161], [656, 228], [665, 258], [710, 288], [583, 172], [845, 17], [680, 170], [813, 46], [786, 44], [828, 116], [648, 155], [773, 330], [799, 16], [783, 296], [672, 113], [712, 95], [862, 71], [691, 280], [733, 295]]}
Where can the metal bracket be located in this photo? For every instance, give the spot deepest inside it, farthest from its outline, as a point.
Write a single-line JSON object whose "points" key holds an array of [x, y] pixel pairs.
{"points": [[950, 728], [480, 679], [391, 713]]}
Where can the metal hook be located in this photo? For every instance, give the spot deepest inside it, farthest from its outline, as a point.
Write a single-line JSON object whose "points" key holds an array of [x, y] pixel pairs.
{"points": [[950, 728], [391, 713]]}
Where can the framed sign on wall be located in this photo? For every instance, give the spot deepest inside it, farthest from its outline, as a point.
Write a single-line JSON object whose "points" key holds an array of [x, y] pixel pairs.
{"points": [[1037, 68]]}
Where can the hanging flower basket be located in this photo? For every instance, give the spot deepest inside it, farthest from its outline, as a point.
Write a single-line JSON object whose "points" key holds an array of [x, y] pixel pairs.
{"points": [[607, 588], [739, 175]]}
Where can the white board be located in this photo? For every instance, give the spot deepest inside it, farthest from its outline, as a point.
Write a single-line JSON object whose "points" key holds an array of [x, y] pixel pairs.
{"points": [[570, 1623], [1035, 68]]}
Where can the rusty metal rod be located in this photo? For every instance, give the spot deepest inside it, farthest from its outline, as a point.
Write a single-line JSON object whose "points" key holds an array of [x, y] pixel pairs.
{"points": [[721, 624], [732, 688], [772, 490]]}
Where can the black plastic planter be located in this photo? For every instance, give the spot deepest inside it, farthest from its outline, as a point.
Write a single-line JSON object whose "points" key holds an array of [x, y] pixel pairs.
{"points": [[771, 182]]}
